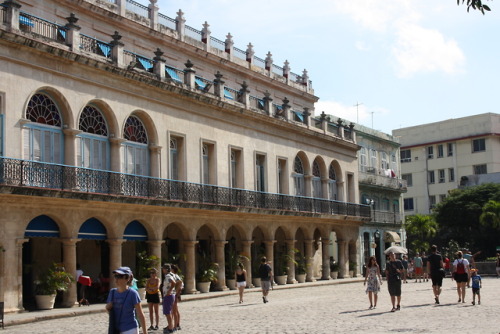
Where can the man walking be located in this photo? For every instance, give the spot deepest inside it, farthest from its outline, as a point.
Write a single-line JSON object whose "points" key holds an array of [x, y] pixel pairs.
{"points": [[436, 270], [266, 275], [394, 273]]}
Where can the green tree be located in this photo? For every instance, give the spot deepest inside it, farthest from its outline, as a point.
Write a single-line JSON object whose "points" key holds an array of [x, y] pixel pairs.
{"points": [[459, 214], [420, 229], [475, 5], [491, 214]]}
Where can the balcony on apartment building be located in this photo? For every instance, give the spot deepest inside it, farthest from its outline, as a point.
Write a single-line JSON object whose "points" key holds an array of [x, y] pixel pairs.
{"points": [[381, 178]]}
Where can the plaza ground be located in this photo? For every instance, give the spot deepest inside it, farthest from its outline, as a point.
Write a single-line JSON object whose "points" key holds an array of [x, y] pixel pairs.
{"points": [[321, 307]]}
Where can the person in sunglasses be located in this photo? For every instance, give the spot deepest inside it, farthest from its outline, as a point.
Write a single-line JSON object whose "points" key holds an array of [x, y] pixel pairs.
{"points": [[125, 304]]}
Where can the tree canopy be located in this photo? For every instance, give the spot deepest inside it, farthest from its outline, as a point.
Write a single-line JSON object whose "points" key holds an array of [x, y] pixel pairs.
{"points": [[458, 217], [475, 5]]}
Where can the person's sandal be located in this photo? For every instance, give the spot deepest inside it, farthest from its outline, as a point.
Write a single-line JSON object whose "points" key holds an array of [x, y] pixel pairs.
{"points": [[393, 309]]}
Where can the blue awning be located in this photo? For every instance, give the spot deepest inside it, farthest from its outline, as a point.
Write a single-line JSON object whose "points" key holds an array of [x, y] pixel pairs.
{"points": [[105, 48], [227, 94], [172, 73], [62, 32], [299, 115], [135, 231], [146, 63], [92, 229], [42, 226], [200, 84], [24, 20], [261, 103]]}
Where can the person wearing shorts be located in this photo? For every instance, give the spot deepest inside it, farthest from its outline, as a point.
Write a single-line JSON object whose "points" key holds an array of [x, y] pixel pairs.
{"points": [[266, 275], [240, 276], [168, 298], [461, 277], [436, 270]]}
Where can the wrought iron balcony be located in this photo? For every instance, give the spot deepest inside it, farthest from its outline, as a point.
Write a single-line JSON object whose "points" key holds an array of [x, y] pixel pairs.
{"points": [[23, 173], [386, 217], [374, 177]]}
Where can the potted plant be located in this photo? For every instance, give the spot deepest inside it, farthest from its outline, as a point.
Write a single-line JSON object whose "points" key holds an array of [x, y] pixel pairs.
{"points": [[207, 274], [352, 268], [145, 263], [281, 268], [334, 270], [54, 280], [301, 267]]}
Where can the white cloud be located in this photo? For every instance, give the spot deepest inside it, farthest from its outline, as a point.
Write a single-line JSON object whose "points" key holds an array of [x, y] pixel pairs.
{"points": [[424, 50]]}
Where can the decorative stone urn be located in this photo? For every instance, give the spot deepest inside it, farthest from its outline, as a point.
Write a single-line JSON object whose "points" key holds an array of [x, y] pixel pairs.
{"points": [[256, 282], [45, 302], [301, 278], [281, 280], [203, 287]]}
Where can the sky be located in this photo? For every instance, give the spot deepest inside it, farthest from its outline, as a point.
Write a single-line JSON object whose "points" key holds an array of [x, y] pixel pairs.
{"points": [[403, 62]]}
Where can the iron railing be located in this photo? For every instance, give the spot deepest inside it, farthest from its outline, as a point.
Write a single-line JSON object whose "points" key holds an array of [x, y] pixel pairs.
{"points": [[137, 8], [41, 27], [23, 173], [386, 217]]}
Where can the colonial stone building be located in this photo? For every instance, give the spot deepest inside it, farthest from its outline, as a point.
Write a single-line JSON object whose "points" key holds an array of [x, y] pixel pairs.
{"points": [[124, 130]]}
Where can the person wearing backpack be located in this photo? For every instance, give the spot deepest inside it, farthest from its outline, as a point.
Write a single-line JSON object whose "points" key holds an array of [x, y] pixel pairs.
{"points": [[461, 275]]}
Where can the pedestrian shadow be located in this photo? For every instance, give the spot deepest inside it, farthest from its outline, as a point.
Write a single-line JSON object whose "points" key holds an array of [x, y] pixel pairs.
{"points": [[354, 311]]}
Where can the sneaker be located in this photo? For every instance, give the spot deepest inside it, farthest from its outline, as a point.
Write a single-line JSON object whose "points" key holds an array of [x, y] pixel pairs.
{"points": [[398, 308], [263, 299], [178, 328], [151, 328], [473, 303], [156, 328], [370, 307]]}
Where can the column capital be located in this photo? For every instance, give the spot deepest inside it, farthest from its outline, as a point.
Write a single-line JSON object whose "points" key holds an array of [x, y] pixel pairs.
{"points": [[21, 241], [190, 243], [155, 242], [247, 242], [115, 242], [69, 241], [325, 241], [269, 242], [220, 242]]}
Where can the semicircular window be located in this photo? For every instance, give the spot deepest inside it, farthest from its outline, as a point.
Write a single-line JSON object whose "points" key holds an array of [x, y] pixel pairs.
{"points": [[92, 121], [42, 109], [43, 136], [135, 130]]}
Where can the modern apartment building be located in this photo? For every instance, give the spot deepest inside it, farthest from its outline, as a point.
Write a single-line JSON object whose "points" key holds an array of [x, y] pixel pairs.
{"points": [[438, 157], [124, 130]]}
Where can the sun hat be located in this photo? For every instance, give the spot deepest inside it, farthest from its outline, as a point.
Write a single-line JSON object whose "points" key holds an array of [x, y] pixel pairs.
{"points": [[123, 271]]}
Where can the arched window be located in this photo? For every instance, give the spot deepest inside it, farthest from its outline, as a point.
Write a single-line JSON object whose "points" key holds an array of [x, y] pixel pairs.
{"points": [[43, 137], [316, 181], [332, 183], [93, 143], [299, 177], [135, 149]]}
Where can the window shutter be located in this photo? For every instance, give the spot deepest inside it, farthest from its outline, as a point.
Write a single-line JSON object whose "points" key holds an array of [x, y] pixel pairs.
{"points": [[79, 144], [26, 144]]}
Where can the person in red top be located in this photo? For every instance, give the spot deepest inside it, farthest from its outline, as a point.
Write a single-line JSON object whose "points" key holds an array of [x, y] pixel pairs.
{"points": [[446, 264]]}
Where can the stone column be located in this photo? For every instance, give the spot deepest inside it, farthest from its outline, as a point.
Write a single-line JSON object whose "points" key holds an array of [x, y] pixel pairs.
{"points": [[73, 38], [324, 122], [325, 259], [309, 259], [286, 109], [117, 48], [250, 53], [205, 35], [189, 74], [122, 5], [12, 15], [228, 46], [155, 249], [70, 143], [116, 152], [270, 252], [159, 65], [343, 263], [180, 25], [245, 95], [154, 155], [189, 276], [153, 14], [340, 128], [290, 245], [69, 261], [269, 63], [218, 85], [307, 119], [247, 263], [115, 257], [220, 258], [17, 274], [268, 105]]}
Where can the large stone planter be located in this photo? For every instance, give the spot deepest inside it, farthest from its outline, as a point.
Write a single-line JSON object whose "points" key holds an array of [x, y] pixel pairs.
{"points": [[203, 287], [231, 284], [256, 282], [334, 274], [45, 302], [281, 280], [301, 278]]}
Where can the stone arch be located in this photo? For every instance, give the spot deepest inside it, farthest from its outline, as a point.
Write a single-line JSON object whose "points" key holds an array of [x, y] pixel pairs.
{"points": [[149, 125], [61, 102]]}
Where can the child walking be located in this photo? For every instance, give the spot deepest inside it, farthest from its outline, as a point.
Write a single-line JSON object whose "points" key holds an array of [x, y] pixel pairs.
{"points": [[476, 287]]}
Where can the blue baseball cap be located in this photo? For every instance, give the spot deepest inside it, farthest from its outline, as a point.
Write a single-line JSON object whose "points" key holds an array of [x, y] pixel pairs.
{"points": [[123, 271]]}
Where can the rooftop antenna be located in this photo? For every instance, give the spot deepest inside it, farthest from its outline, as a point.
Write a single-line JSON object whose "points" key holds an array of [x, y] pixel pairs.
{"points": [[357, 111]]}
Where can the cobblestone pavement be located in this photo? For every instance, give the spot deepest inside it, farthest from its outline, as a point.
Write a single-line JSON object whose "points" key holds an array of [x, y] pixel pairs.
{"points": [[340, 308]]}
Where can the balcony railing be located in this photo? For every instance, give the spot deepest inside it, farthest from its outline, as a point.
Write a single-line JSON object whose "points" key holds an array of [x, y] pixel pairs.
{"points": [[370, 176], [23, 173], [386, 217]]}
